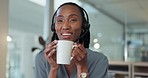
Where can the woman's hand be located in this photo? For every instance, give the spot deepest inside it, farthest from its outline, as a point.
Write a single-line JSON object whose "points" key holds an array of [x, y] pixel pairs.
{"points": [[50, 54], [79, 55]]}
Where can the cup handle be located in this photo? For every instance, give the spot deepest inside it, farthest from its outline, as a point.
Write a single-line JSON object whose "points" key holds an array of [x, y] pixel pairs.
{"points": [[73, 48], [71, 58]]}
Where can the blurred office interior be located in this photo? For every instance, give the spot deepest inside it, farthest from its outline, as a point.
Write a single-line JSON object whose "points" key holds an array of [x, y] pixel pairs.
{"points": [[119, 29]]}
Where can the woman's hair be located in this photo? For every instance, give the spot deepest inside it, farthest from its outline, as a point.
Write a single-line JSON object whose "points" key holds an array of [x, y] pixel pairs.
{"points": [[85, 35]]}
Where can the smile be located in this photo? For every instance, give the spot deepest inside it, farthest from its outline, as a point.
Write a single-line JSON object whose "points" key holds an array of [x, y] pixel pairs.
{"points": [[66, 34]]}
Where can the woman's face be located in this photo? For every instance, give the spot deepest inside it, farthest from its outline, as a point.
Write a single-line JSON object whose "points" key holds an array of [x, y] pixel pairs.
{"points": [[68, 23]]}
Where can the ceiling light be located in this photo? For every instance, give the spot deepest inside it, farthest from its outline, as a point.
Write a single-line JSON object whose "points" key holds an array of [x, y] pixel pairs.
{"points": [[95, 40], [96, 45], [9, 39]]}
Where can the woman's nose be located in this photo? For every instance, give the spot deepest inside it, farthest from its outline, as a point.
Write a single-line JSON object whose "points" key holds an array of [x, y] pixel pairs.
{"points": [[66, 26]]}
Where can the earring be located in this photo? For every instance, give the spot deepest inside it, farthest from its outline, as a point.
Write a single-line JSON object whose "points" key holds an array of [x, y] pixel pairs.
{"points": [[82, 30]]}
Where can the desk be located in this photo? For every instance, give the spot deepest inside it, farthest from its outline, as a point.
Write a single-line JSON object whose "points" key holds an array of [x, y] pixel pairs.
{"points": [[121, 69], [140, 69]]}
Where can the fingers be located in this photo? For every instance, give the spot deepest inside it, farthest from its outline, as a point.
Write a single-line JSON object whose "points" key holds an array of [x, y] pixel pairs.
{"points": [[50, 50], [51, 46], [79, 52]]}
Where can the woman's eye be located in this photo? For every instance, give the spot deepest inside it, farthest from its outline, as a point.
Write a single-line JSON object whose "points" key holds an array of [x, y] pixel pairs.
{"points": [[73, 20], [60, 20]]}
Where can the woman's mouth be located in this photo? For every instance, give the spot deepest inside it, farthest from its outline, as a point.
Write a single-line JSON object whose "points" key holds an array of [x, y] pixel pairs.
{"points": [[66, 35]]}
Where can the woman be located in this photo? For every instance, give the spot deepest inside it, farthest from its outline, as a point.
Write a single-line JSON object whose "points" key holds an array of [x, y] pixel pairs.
{"points": [[70, 22]]}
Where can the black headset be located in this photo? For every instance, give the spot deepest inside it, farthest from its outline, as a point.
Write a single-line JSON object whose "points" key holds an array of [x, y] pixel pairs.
{"points": [[85, 25]]}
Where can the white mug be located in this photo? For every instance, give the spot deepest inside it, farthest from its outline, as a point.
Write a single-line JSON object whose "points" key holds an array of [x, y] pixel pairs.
{"points": [[64, 49]]}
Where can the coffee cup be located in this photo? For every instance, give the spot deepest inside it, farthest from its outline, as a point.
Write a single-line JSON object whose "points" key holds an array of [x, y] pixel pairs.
{"points": [[64, 49]]}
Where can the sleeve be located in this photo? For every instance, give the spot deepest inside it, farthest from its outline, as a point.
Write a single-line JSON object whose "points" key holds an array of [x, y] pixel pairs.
{"points": [[103, 67], [100, 66], [40, 66]]}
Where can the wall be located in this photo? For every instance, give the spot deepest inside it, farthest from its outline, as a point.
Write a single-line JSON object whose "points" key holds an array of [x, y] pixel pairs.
{"points": [[109, 34], [26, 24], [3, 35]]}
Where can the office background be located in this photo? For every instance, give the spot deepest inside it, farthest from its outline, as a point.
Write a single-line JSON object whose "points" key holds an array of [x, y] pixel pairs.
{"points": [[119, 29]]}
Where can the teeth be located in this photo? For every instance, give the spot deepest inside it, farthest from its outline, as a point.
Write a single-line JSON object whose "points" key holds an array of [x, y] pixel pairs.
{"points": [[66, 34]]}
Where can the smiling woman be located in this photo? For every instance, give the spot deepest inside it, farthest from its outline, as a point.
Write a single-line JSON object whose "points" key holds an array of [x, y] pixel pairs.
{"points": [[70, 22]]}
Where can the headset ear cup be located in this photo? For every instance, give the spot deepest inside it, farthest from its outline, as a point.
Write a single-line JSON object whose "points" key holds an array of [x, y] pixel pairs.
{"points": [[52, 27], [86, 25]]}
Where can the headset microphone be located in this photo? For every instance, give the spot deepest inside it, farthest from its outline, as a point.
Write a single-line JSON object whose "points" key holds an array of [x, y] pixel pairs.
{"points": [[81, 36]]}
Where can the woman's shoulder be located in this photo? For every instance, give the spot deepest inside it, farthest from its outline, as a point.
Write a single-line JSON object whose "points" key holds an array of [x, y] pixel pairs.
{"points": [[97, 61], [96, 56], [95, 53], [41, 53], [40, 56]]}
